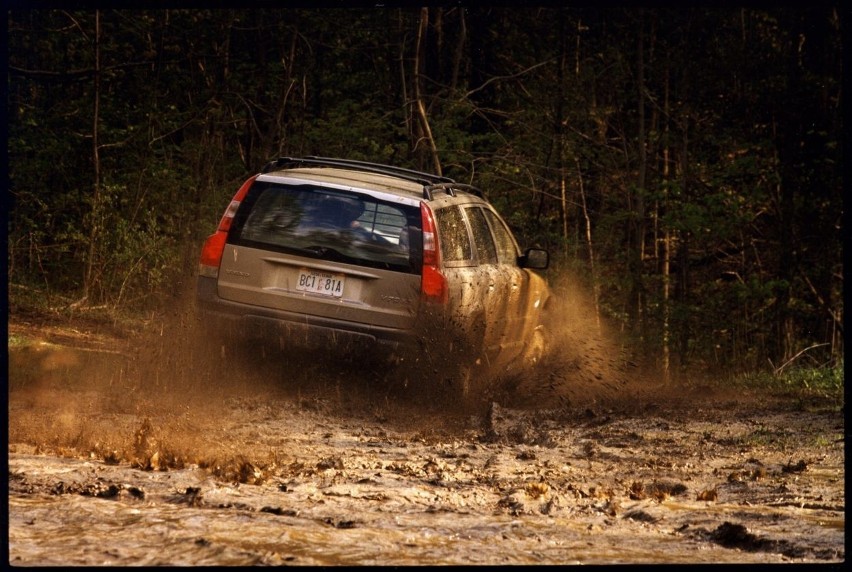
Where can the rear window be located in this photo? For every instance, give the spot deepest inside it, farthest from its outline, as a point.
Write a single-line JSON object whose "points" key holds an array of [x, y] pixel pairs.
{"points": [[317, 222]]}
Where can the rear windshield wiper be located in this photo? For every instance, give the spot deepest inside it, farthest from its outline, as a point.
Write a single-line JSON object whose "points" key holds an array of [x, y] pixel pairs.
{"points": [[325, 253]]}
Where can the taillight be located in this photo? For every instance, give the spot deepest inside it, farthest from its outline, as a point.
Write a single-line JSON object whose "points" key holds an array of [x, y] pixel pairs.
{"points": [[433, 283], [214, 246], [211, 254]]}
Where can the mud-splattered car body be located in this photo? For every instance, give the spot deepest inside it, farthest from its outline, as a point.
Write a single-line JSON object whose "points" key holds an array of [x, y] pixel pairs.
{"points": [[332, 253]]}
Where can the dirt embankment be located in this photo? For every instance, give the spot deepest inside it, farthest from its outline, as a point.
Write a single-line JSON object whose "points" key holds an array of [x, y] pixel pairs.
{"points": [[127, 451]]}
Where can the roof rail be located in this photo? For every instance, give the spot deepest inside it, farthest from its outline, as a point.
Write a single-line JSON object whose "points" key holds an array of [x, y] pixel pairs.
{"points": [[450, 189], [314, 161]]}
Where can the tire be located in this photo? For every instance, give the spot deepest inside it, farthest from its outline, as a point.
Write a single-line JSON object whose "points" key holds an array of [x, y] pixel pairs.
{"points": [[471, 376], [537, 348], [470, 382]]}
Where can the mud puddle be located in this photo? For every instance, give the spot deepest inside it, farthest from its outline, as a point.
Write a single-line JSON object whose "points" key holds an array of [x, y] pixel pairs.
{"points": [[129, 458]]}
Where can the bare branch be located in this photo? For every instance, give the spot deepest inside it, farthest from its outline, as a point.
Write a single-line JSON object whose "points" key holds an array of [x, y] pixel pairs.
{"points": [[789, 361], [502, 77], [71, 75]]}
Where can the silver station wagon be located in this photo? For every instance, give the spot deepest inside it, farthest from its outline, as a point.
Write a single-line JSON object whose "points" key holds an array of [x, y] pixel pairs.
{"points": [[348, 256]]}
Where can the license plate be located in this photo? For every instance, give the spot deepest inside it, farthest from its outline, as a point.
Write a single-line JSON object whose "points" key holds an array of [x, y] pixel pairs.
{"points": [[323, 283]]}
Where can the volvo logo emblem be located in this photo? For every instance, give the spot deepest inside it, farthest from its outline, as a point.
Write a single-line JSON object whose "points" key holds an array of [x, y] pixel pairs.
{"points": [[237, 273]]}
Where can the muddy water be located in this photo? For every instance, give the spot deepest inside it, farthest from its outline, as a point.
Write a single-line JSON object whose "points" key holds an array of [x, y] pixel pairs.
{"points": [[138, 458]]}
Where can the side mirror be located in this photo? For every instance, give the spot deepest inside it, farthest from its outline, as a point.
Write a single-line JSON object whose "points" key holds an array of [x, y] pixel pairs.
{"points": [[535, 259]]}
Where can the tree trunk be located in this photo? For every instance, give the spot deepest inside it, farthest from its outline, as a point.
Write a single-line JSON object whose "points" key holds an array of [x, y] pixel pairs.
{"points": [[636, 227], [667, 241], [94, 226], [419, 107], [559, 126], [458, 53], [589, 246], [683, 330]]}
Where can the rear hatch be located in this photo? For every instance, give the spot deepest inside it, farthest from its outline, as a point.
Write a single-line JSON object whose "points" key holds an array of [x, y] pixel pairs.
{"points": [[326, 251]]}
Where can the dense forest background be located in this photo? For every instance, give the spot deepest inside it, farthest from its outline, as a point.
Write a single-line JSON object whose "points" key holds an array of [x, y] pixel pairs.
{"points": [[684, 165]]}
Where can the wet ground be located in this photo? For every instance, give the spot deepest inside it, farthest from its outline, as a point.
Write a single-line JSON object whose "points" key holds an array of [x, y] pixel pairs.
{"points": [[124, 451]]}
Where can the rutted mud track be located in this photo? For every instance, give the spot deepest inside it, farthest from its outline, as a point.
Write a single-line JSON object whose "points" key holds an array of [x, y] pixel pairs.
{"points": [[132, 458]]}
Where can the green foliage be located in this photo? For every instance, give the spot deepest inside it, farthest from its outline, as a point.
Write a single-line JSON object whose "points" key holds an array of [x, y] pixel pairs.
{"points": [[740, 196], [819, 381]]}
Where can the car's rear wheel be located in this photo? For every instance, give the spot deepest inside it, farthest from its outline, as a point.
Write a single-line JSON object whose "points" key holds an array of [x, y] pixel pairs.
{"points": [[469, 383], [471, 372], [536, 348]]}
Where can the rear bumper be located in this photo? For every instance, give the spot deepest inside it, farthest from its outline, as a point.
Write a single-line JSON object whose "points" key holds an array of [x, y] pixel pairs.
{"points": [[293, 329]]}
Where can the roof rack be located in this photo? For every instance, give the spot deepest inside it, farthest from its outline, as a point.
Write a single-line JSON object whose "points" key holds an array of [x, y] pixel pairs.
{"points": [[425, 179], [450, 189]]}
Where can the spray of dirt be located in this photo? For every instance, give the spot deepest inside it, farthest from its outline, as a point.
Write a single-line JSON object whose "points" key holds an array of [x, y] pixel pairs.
{"points": [[587, 364], [161, 396]]}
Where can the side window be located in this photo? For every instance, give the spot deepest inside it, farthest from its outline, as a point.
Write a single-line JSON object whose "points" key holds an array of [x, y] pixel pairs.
{"points": [[507, 249], [455, 241], [485, 250]]}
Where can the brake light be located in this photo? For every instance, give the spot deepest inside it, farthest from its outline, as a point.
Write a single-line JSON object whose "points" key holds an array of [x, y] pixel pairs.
{"points": [[214, 246], [433, 283]]}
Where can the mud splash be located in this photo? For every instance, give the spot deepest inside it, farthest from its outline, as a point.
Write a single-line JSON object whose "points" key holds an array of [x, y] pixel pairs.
{"points": [[145, 455]]}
